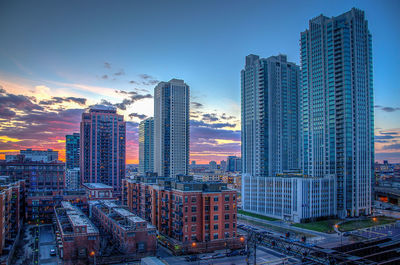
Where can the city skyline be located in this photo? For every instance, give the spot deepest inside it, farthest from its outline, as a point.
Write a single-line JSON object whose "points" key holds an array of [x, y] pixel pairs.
{"points": [[47, 84]]}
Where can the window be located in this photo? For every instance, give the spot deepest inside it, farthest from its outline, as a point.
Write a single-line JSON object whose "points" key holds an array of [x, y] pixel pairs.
{"points": [[207, 217], [207, 208], [215, 199], [216, 227], [226, 235], [194, 209], [186, 219], [207, 227], [233, 197], [194, 218], [233, 216], [186, 209], [193, 199], [216, 236], [216, 217], [227, 226], [226, 198], [233, 225], [216, 208], [226, 216], [193, 228], [186, 199], [226, 207], [194, 237]]}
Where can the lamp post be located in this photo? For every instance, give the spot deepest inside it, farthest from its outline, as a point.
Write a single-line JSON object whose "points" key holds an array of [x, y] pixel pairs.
{"points": [[93, 254]]}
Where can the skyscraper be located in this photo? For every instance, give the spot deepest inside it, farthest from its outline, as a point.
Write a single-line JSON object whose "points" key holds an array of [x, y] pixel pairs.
{"points": [[72, 151], [270, 116], [171, 128], [337, 107], [146, 146], [102, 146]]}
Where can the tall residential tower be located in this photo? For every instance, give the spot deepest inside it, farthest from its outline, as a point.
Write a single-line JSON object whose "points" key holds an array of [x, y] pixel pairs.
{"points": [[270, 116], [102, 146], [337, 107], [171, 128], [146, 146]]}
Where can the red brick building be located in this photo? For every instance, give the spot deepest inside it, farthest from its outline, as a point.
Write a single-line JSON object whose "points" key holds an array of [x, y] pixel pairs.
{"points": [[99, 191], [79, 237], [130, 233], [11, 214], [185, 210]]}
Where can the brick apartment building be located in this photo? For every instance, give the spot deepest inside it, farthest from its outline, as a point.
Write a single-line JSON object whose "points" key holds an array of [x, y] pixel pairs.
{"points": [[40, 203], [38, 174], [185, 210], [130, 233], [99, 191], [11, 214], [79, 236]]}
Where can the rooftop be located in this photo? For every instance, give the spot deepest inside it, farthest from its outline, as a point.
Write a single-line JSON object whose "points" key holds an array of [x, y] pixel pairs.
{"points": [[97, 186], [70, 216]]}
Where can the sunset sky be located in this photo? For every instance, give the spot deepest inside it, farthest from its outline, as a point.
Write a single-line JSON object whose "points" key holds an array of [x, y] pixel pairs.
{"points": [[59, 57]]}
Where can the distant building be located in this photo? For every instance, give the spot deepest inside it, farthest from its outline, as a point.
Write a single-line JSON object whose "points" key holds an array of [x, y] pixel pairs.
{"points": [[193, 162], [131, 234], [171, 128], [103, 146], [35, 155], [223, 165], [38, 174], [72, 147], [234, 164], [186, 210], [72, 178], [79, 236], [291, 197], [146, 146], [213, 165]]}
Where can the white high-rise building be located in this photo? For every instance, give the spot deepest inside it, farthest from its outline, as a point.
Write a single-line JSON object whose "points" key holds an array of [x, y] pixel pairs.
{"points": [[337, 107], [146, 146], [171, 128]]}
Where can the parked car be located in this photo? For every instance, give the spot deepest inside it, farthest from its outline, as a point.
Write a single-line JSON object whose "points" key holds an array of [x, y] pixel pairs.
{"points": [[233, 253], [218, 255], [52, 252]]}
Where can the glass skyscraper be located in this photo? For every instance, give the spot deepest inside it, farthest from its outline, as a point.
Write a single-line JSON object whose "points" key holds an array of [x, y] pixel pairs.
{"points": [[171, 128], [270, 116], [146, 146], [102, 146], [337, 107], [72, 151]]}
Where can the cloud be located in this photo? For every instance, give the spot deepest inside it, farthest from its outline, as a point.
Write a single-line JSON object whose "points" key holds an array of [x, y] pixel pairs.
{"points": [[133, 97], [104, 77], [145, 76], [392, 147], [196, 123], [19, 102], [148, 80], [133, 82], [196, 105], [136, 115], [210, 117], [386, 109], [59, 100], [120, 72], [107, 65], [2, 90]]}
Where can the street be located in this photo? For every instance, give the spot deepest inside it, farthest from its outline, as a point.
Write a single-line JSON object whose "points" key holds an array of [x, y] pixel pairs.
{"points": [[46, 243]]}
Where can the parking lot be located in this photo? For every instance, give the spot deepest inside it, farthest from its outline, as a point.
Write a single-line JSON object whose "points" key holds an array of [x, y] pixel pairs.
{"points": [[392, 230], [46, 244]]}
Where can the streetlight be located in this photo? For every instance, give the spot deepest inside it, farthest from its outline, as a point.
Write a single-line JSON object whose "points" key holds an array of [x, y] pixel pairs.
{"points": [[93, 254], [374, 219]]}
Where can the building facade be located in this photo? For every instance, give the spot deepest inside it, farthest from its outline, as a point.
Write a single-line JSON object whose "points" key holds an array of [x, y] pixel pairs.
{"points": [[289, 197], [35, 155], [72, 178], [131, 234], [72, 147], [146, 146], [270, 115], [102, 146], [337, 107], [233, 164], [171, 128], [98, 191]]}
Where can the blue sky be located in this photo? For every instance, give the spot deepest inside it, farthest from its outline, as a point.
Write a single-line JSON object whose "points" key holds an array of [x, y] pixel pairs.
{"points": [[59, 49]]}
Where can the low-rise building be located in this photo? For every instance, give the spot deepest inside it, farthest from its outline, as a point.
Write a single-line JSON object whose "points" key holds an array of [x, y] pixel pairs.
{"points": [[99, 191], [72, 178], [291, 197], [188, 211], [79, 236], [40, 203], [130, 233]]}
